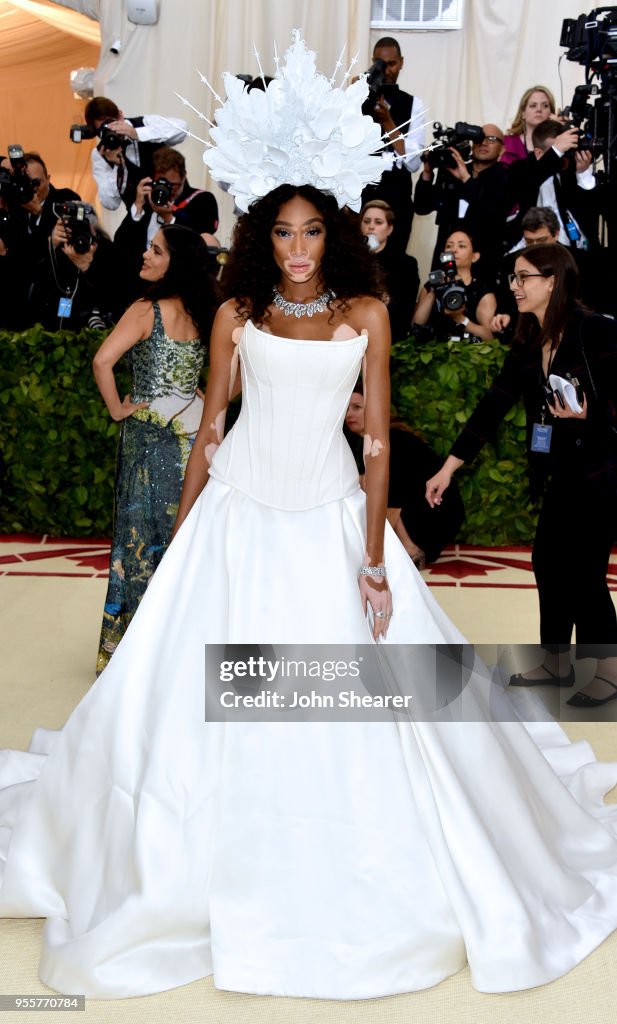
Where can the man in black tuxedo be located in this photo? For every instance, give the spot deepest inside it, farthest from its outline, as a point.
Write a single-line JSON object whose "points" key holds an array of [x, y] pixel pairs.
{"points": [[393, 108]]}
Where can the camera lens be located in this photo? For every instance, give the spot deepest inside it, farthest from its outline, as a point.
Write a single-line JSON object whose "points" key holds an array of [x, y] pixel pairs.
{"points": [[161, 192]]}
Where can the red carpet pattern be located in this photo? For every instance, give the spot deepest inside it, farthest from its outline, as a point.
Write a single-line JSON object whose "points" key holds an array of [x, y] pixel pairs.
{"points": [[459, 566]]}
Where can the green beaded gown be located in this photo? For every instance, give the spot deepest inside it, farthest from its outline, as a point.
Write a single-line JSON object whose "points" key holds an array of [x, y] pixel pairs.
{"points": [[153, 451]]}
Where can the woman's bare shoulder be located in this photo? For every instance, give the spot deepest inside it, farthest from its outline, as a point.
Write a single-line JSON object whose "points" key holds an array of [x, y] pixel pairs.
{"points": [[140, 315], [227, 314], [368, 314]]}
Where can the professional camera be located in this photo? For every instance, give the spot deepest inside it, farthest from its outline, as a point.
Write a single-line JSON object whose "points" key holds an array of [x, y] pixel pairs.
{"points": [[19, 188], [583, 115], [161, 192], [460, 138], [112, 140], [375, 79], [76, 218], [109, 139], [449, 293], [592, 40], [79, 132]]}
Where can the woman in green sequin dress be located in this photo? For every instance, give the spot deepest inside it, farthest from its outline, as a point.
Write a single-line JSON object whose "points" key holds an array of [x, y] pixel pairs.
{"points": [[163, 337]]}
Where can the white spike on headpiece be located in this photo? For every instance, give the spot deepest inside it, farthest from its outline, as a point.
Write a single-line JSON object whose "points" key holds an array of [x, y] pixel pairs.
{"points": [[337, 66], [188, 104], [204, 81], [303, 130]]}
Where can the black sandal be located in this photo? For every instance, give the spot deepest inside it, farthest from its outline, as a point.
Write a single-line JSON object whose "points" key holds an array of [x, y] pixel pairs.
{"points": [[518, 679], [583, 700]]}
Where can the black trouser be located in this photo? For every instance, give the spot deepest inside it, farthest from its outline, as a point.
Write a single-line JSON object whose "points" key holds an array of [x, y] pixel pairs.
{"points": [[576, 528]]}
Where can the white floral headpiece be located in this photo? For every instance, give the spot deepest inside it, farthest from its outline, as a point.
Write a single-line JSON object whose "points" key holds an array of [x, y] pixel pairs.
{"points": [[302, 130]]}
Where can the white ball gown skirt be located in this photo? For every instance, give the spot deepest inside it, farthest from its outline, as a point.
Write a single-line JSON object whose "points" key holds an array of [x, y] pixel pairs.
{"points": [[340, 860]]}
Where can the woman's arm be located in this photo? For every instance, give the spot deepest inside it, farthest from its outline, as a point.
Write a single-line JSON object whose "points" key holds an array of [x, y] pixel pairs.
{"points": [[439, 483], [374, 589], [481, 326], [134, 326], [482, 425], [222, 384], [424, 306]]}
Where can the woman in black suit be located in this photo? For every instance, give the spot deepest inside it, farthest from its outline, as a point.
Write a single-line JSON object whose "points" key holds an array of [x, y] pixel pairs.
{"points": [[573, 461], [400, 270]]}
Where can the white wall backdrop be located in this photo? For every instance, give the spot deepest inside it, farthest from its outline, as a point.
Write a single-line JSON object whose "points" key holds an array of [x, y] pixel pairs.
{"points": [[475, 74]]}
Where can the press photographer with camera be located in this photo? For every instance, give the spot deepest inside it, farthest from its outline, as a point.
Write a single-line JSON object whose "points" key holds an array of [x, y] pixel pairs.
{"points": [[34, 198], [124, 155], [558, 174], [454, 303], [390, 107], [76, 284], [463, 181], [164, 198]]}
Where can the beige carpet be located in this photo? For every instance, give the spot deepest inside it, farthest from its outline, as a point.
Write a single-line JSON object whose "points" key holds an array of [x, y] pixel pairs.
{"points": [[48, 636]]}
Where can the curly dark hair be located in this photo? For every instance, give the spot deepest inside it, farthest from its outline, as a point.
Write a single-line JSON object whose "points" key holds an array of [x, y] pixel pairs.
{"points": [[550, 261], [348, 268], [187, 277]]}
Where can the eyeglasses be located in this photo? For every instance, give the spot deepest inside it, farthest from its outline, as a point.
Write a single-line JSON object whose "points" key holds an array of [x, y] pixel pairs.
{"points": [[492, 138], [520, 278]]}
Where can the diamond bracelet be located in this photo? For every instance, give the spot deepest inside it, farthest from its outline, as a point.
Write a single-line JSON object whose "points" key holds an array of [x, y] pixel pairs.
{"points": [[373, 570]]}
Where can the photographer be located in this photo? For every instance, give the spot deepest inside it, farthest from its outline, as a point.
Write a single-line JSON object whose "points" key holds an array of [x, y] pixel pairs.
{"points": [[461, 305], [76, 285], [125, 153], [33, 212], [559, 175], [470, 193], [392, 107], [165, 198]]}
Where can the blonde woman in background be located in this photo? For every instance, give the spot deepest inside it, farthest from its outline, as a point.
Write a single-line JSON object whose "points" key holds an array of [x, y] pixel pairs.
{"points": [[537, 105]]}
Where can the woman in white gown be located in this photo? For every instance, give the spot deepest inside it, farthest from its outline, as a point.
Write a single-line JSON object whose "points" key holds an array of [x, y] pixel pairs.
{"points": [[334, 859]]}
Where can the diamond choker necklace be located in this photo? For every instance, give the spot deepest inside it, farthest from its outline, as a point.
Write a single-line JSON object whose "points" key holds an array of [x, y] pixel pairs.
{"points": [[301, 308]]}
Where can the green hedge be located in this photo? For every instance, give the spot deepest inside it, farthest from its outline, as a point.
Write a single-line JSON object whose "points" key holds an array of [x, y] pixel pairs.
{"points": [[435, 387], [58, 444], [57, 441]]}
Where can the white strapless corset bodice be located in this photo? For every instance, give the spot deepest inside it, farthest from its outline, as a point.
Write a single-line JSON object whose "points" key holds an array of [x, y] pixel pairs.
{"points": [[287, 448]]}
